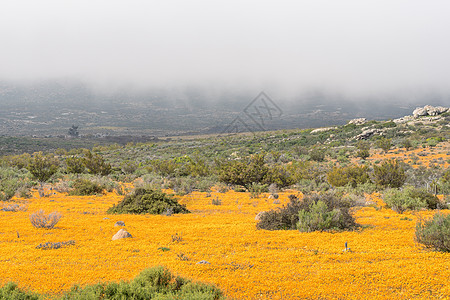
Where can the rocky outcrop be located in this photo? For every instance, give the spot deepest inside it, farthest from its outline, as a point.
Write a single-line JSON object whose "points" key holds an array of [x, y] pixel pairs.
{"points": [[322, 129], [368, 133], [259, 215], [358, 121], [404, 119], [119, 223], [429, 110]]}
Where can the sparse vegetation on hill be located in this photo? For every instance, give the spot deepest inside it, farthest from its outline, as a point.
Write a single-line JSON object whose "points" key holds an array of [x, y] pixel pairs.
{"points": [[225, 182]]}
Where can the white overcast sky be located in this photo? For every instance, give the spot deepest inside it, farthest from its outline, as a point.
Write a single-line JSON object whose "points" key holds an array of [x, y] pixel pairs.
{"points": [[353, 45]]}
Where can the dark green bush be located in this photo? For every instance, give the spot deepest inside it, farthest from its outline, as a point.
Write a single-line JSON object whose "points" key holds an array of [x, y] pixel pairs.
{"points": [[389, 174], [95, 164], [85, 187], [353, 175], [243, 172], [75, 165], [324, 211], [11, 291], [147, 201], [434, 233]]}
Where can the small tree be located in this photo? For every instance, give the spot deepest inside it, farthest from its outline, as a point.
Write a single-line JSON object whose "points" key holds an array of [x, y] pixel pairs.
{"points": [[42, 167], [389, 174]]}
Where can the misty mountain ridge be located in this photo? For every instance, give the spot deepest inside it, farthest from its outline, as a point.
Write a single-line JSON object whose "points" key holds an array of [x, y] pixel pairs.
{"points": [[49, 108]]}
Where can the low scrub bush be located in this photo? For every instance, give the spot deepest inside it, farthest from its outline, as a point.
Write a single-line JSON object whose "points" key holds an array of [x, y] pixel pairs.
{"points": [[12, 291], [411, 198], [324, 211], [85, 187], [153, 283], [40, 220], [14, 208], [434, 233], [57, 245], [147, 201]]}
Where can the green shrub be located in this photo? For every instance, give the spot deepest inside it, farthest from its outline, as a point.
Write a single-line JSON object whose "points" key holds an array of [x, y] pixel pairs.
{"points": [[384, 144], [256, 189], [323, 211], [11, 182], [147, 201], [95, 164], [129, 167], [75, 165], [153, 283], [11, 291], [363, 149], [317, 154], [389, 174], [280, 176], [320, 218], [42, 167], [243, 172], [85, 187], [411, 198], [352, 175], [434, 233], [399, 201]]}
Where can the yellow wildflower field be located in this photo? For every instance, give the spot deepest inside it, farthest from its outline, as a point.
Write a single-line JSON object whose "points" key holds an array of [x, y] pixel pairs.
{"points": [[246, 263]]}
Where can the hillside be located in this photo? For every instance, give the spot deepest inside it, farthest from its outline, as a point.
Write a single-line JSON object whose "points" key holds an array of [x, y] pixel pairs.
{"points": [[241, 194]]}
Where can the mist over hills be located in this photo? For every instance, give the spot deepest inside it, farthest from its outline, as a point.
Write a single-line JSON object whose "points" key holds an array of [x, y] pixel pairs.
{"points": [[49, 108]]}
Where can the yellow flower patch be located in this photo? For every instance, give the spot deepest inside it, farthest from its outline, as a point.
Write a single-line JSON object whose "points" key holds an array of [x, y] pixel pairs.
{"points": [[246, 263]]}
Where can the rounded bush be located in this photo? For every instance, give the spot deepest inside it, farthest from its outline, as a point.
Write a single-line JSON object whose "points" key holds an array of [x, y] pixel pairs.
{"points": [[434, 233], [147, 201]]}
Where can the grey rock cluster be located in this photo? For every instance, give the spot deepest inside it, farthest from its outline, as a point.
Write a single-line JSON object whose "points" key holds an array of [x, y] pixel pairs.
{"points": [[368, 133], [429, 110], [317, 130], [358, 121]]}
